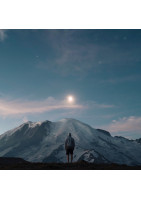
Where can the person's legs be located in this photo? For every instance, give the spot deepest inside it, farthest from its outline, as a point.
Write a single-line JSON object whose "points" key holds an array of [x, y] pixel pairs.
{"points": [[68, 158], [71, 158], [71, 152], [67, 153]]}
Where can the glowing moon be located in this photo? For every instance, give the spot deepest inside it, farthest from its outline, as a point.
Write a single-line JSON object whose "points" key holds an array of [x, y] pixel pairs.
{"points": [[70, 99]]}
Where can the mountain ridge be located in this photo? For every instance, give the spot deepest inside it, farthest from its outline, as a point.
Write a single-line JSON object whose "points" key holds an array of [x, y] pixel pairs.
{"points": [[44, 142]]}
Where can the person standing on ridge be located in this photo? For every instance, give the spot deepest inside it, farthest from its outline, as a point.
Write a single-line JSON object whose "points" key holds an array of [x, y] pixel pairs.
{"points": [[69, 146]]}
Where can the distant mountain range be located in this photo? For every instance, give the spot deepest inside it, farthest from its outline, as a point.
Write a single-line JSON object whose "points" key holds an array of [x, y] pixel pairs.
{"points": [[44, 142]]}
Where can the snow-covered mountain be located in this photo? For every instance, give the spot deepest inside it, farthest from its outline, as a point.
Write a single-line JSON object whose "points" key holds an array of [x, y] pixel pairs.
{"points": [[44, 142], [138, 140]]}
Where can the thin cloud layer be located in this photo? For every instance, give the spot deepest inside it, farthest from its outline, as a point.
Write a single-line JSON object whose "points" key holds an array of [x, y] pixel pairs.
{"points": [[71, 55], [79, 53], [17, 107], [130, 124], [94, 104]]}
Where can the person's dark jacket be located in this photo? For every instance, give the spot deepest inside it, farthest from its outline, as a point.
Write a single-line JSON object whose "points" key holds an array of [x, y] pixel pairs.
{"points": [[72, 143]]}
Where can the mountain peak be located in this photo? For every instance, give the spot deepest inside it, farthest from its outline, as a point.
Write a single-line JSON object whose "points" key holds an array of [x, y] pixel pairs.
{"points": [[44, 141]]}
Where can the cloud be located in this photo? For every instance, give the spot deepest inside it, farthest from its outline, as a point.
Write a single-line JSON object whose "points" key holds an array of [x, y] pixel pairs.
{"points": [[14, 107], [125, 124], [19, 106], [2, 34], [74, 52], [94, 104], [72, 55]]}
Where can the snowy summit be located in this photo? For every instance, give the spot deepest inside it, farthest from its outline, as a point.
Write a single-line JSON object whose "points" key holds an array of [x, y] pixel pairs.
{"points": [[44, 142]]}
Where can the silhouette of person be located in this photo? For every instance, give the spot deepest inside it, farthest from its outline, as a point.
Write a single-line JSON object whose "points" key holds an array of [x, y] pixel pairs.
{"points": [[69, 146]]}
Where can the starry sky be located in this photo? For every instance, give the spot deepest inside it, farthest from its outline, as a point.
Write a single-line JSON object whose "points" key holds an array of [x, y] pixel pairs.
{"points": [[100, 69]]}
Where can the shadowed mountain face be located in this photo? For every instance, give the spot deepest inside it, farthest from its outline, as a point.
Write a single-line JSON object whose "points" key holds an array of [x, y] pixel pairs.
{"points": [[138, 140], [44, 142]]}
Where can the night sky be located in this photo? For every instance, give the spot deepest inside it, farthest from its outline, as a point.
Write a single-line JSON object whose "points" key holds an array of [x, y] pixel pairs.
{"points": [[90, 75]]}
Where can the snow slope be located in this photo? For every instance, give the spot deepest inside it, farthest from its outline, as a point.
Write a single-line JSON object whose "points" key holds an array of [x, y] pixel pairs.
{"points": [[44, 142]]}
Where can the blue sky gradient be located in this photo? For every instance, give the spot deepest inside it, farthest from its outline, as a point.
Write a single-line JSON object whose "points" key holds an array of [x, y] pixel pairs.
{"points": [[100, 68]]}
